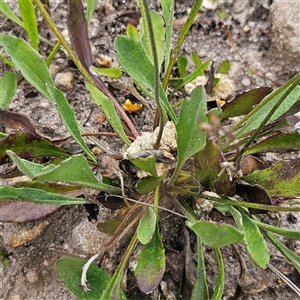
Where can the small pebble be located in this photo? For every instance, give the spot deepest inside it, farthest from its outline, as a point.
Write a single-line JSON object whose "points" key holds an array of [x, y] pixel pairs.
{"points": [[64, 80], [246, 81]]}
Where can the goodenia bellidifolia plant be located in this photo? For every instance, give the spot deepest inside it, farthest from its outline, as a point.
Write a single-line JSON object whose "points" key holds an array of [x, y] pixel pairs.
{"points": [[213, 165]]}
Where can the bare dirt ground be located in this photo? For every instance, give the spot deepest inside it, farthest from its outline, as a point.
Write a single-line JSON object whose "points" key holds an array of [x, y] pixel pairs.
{"points": [[30, 271]]}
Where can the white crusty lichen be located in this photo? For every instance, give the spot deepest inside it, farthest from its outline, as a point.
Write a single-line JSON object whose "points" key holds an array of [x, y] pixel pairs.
{"points": [[146, 142]]}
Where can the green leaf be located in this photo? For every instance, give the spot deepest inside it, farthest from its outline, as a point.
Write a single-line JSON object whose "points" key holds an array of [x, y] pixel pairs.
{"points": [[35, 71], [292, 234], [69, 270], [141, 72], [147, 164], [286, 96], [8, 193], [168, 15], [147, 226], [28, 168], [159, 36], [218, 292], [255, 244], [29, 62], [200, 289], [26, 145], [224, 67], [28, 15], [68, 118], [8, 87], [181, 65], [196, 59], [109, 110], [75, 170], [281, 179], [245, 102], [148, 184], [90, 8], [214, 234], [289, 254], [132, 32], [192, 76], [190, 137], [209, 170], [278, 142], [113, 72], [5, 9], [151, 265]]}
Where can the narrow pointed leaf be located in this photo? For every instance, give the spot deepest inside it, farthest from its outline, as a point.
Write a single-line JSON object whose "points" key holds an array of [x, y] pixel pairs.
{"points": [[200, 290], [255, 244], [281, 179], [151, 265], [90, 8], [77, 27], [33, 68], [69, 270], [5, 9], [214, 234], [18, 212], [278, 142], [75, 170], [218, 293], [8, 193], [190, 137], [244, 102], [143, 72], [292, 234], [285, 96], [109, 110], [8, 87], [168, 15], [28, 168], [68, 118], [28, 146], [28, 15], [146, 226], [159, 36], [288, 253]]}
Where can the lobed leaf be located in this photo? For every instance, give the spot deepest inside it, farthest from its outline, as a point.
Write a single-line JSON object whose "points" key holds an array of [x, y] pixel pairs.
{"points": [[148, 184]]}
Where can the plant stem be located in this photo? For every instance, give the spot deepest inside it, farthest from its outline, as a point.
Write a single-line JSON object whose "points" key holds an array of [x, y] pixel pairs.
{"points": [[184, 31], [146, 12], [227, 201]]}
